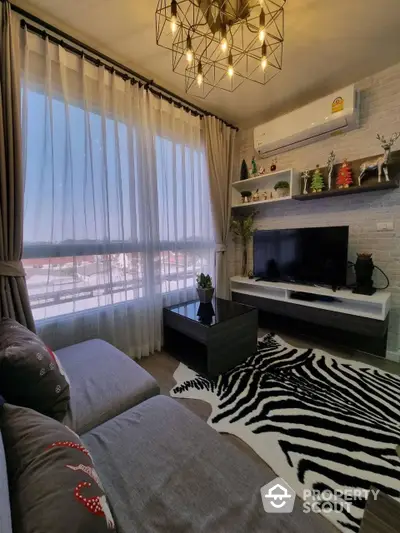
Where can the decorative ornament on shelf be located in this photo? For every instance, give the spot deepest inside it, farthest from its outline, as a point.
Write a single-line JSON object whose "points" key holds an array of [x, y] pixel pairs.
{"points": [[382, 162], [331, 162], [317, 183], [282, 188], [306, 176], [254, 171], [256, 196], [232, 40], [344, 179], [244, 171], [246, 196], [243, 228], [273, 164], [261, 171], [265, 195]]}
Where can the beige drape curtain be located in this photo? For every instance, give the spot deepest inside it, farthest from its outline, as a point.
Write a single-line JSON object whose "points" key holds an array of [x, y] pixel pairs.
{"points": [[14, 302], [220, 141]]}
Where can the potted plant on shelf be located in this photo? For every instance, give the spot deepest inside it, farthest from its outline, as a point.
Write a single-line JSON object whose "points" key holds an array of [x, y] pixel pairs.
{"points": [[282, 189], [246, 195], [205, 290], [243, 228]]}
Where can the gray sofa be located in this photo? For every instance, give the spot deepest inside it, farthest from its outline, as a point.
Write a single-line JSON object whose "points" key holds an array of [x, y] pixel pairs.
{"points": [[163, 469]]}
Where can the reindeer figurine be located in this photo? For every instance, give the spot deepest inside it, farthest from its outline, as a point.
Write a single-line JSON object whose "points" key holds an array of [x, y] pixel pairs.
{"points": [[382, 162]]}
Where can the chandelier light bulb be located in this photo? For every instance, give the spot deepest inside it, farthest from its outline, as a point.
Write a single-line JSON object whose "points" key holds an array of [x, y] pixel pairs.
{"points": [[261, 34], [189, 56], [224, 41], [174, 25], [189, 50], [264, 63], [199, 75], [231, 70], [264, 60], [174, 20]]}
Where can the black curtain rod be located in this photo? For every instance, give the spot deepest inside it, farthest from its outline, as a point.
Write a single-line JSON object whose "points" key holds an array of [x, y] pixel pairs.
{"points": [[97, 62], [112, 65]]}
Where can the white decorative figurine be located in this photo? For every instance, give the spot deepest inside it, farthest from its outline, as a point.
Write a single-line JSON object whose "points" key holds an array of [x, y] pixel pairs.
{"points": [[331, 162], [306, 177], [382, 162]]}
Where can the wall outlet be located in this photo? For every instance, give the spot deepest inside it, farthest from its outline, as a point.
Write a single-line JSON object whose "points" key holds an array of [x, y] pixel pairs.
{"points": [[385, 226]]}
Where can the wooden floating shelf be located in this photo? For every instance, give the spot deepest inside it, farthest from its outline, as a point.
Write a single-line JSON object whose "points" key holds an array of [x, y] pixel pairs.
{"points": [[265, 183], [376, 186], [252, 182]]}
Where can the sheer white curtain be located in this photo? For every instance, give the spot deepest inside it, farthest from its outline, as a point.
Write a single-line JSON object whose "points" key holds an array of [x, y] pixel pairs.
{"points": [[117, 205]]}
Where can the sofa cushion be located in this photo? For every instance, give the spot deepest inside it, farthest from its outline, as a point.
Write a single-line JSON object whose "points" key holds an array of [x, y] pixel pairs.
{"points": [[30, 374], [5, 513], [53, 484], [163, 466], [104, 382]]}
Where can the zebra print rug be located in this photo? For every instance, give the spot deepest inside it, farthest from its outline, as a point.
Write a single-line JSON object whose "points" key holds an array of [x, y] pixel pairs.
{"points": [[320, 422]]}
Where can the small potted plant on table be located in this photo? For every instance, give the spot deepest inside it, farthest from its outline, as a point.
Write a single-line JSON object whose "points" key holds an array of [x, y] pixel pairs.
{"points": [[282, 189], [205, 290]]}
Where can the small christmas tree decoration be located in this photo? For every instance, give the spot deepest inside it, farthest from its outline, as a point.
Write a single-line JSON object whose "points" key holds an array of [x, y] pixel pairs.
{"points": [[344, 179], [317, 183], [254, 170], [244, 171]]}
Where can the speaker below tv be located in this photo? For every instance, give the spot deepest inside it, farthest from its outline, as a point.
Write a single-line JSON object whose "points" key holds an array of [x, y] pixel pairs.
{"points": [[309, 256]]}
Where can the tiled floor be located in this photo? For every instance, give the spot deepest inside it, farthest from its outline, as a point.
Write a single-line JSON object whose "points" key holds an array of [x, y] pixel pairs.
{"points": [[162, 366]]}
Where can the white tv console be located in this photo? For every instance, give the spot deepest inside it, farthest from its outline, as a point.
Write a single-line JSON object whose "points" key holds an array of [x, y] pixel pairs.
{"points": [[355, 314]]}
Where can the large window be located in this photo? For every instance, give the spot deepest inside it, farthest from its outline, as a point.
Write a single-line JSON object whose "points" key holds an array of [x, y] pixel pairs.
{"points": [[84, 248], [117, 217]]}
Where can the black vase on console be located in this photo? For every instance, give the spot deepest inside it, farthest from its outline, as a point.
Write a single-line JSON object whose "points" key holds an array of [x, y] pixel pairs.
{"points": [[364, 268]]}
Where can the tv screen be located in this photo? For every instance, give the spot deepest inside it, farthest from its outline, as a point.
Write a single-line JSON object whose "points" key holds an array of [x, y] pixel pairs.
{"points": [[304, 255]]}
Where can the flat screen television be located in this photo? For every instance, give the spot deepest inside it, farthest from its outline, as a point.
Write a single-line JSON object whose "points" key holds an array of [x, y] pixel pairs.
{"points": [[315, 256]]}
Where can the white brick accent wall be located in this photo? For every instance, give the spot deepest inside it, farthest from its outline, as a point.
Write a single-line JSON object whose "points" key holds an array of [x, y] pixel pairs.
{"points": [[380, 113]]}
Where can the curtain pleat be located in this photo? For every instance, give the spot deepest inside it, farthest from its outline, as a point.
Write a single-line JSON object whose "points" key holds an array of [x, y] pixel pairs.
{"points": [[14, 301], [220, 140], [117, 208]]}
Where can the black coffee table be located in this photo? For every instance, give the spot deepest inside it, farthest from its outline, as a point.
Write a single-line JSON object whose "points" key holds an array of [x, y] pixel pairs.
{"points": [[211, 338]]}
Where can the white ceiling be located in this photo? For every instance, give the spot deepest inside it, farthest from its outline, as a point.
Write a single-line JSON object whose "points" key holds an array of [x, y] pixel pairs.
{"points": [[328, 44]]}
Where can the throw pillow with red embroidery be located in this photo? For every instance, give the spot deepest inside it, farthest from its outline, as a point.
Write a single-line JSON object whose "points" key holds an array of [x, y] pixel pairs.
{"points": [[30, 373], [53, 484]]}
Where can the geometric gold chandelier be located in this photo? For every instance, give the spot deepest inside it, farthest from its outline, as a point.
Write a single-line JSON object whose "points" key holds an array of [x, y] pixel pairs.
{"points": [[222, 43]]}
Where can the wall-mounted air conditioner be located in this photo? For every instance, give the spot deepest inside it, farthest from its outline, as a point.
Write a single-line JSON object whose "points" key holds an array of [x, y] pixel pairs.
{"points": [[331, 115]]}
